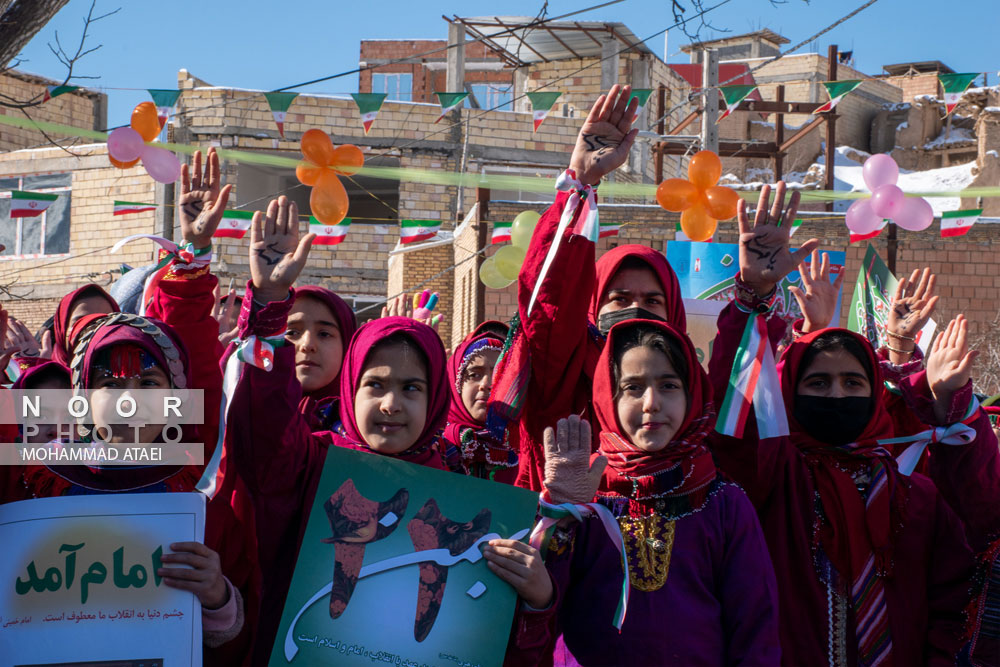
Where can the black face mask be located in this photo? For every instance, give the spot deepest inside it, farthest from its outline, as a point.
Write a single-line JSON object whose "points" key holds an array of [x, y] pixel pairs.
{"points": [[834, 421], [608, 320]]}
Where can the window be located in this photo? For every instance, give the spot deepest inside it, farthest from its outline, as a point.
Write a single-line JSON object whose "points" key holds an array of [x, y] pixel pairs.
{"points": [[520, 195], [397, 87], [46, 234], [493, 96]]}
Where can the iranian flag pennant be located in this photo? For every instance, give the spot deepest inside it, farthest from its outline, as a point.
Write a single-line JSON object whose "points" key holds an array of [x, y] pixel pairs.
{"points": [[501, 232], [279, 103], [795, 227], [642, 94], [234, 224], [608, 229], [414, 231], [953, 86], [733, 95], [368, 106], [29, 204], [126, 207], [164, 101], [541, 104], [448, 102], [329, 234], [862, 237], [957, 223], [56, 91], [837, 90]]}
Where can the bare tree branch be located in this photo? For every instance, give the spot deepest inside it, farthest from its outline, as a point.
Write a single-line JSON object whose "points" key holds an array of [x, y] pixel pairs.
{"points": [[20, 21]]}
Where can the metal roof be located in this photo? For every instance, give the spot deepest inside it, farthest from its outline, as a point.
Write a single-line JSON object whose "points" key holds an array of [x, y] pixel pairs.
{"points": [[521, 40]]}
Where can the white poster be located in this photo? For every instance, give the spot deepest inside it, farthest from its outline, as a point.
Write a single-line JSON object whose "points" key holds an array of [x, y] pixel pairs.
{"points": [[79, 583]]}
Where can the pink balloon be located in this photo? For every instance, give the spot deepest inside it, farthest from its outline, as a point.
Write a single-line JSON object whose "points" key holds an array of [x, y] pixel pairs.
{"points": [[888, 201], [880, 170], [125, 144], [915, 215], [161, 164], [861, 219]]}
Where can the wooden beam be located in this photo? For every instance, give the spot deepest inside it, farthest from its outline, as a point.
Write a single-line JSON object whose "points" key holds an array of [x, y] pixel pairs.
{"points": [[779, 136], [503, 53], [586, 31], [519, 38], [564, 44], [690, 118], [623, 40], [777, 107], [809, 127], [661, 126], [831, 126], [726, 149]]}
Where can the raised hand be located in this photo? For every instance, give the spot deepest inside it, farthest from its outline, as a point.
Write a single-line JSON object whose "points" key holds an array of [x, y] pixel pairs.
{"points": [[226, 314], [911, 308], [949, 364], [606, 136], [277, 254], [18, 336], [397, 307], [569, 475], [764, 255], [6, 349], [202, 200], [521, 566], [45, 351], [818, 302]]}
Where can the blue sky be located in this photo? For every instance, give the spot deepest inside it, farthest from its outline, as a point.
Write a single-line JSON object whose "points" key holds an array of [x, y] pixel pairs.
{"points": [[262, 44]]}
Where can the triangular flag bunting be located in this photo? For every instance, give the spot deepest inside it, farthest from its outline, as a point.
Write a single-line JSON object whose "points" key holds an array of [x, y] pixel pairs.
{"points": [[234, 224], [733, 95], [368, 106], [29, 204], [837, 90], [126, 207], [641, 94], [56, 91], [957, 223], [954, 85], [448, 102], [608, 229], [795, 227], [541, 104], [414, 231], [329, 234], [501, 232], [164, 101], [279, 103], [862, 237]]}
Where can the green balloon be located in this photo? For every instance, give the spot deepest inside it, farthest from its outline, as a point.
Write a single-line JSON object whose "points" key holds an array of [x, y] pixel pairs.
{"points": [[523, 227], [508, 261], [491, 277]]}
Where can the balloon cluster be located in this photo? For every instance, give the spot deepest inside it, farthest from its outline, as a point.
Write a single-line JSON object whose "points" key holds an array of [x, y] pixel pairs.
{"points": [[423, 305], [699, 200], [501, 269], [320, 170], [887, 201], [128, 145]]}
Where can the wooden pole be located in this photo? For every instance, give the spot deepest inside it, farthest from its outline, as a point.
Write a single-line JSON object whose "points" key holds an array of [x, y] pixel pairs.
{"points": [[661, 129], [831, 117], [779, 136], [483, 198]]}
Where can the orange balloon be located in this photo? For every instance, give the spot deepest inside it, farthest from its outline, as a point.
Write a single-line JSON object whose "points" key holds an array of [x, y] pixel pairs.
{"points": [[697, 224], [317, 147], [328, 200], [146, 121], [704, 169], [308, 173], [721, 202], [123, 165], [676, 194], [347, 159]]}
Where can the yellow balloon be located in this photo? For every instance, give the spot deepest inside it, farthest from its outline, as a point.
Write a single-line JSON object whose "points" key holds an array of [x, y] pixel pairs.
{"points": [[508, 261], [523, 227], [490, 277]]}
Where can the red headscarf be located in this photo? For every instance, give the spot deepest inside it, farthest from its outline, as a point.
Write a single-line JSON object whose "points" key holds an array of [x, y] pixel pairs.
{"points": [[60, 325], [852, 531], [424, 451], [607, 267], [683, 471]]}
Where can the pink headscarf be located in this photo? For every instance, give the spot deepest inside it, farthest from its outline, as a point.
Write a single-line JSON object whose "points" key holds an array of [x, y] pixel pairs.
{"points": [[346, 322], [424, 451]]}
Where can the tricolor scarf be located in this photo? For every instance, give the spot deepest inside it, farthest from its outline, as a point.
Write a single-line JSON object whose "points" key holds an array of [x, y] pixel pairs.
{"points": [[856, 533], [425, 450], [675, 480], [62, 352]]}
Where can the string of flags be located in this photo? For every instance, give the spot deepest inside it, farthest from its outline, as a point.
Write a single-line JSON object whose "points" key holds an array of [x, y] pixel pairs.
{"points": [[449, 101], [953, 86], [541, 104], [29, 204], [837, 90]]}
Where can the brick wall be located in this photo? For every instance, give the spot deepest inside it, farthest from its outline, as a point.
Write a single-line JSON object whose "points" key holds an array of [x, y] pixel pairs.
{"points": [[81, 108], [915, 85]]}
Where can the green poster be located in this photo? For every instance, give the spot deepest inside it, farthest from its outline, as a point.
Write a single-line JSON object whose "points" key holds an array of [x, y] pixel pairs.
{"points": [[391, 567], [873, 294]]}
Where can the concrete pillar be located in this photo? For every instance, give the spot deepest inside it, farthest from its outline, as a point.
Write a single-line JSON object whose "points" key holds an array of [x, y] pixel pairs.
{"points": [[455, 81], [520, 84], [609, 62], [709, 119]]}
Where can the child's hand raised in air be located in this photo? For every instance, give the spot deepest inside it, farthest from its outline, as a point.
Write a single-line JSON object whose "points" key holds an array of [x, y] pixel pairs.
{"points": [[606, 136], [202, 200], [911, 308], [949, 365], [569, 475], [818, 301], [203, 577], [277, 254], [764, 254], [521, 566]]}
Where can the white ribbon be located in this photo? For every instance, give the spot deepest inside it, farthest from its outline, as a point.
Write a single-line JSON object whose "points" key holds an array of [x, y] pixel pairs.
{"points": [[956, 435]]}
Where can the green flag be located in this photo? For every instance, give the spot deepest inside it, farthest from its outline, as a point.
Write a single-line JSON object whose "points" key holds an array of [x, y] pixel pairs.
{"points": [[448, 102], [56, 91], [164, 101], [733, 95], [368, 106], [279, 103], [641, 94], [954, 85], [837, 90], [541, 103]]}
